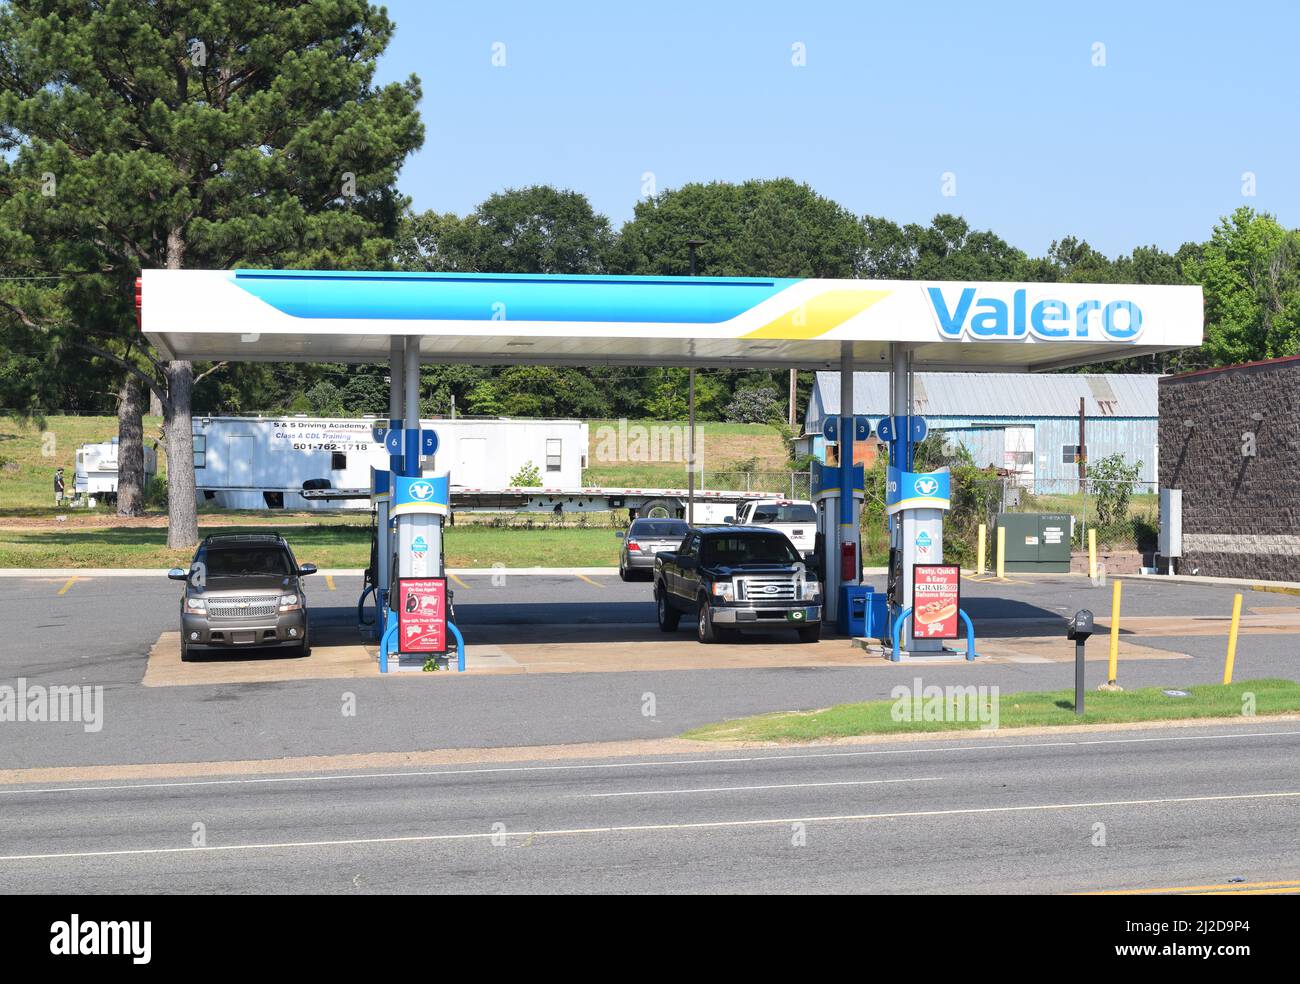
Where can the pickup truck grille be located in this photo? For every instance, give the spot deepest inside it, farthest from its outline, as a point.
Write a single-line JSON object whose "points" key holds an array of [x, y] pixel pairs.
{"points": [[243, 606], [778, 588]]}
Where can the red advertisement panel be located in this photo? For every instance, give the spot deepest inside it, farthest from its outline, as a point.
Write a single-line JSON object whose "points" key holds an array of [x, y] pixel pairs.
{"points": [[936, 597], [422, 615]]}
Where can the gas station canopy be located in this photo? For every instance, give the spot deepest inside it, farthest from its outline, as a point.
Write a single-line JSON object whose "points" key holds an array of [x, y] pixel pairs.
{"points": [[490, 319]]}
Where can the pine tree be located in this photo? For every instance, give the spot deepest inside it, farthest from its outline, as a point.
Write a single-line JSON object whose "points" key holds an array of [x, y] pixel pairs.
{"points": [[213, 134]]}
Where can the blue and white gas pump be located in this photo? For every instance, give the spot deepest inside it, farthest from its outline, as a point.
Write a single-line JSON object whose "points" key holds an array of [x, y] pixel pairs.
{"points": [[915, 503], [410, 577], [839, 515]]}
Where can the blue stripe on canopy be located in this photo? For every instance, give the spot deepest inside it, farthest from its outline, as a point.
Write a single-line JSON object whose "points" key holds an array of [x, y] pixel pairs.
{"points": [[512, 297]]}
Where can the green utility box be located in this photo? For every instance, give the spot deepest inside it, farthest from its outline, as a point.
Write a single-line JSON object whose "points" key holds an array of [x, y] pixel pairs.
{"points": [[1037, 542]]}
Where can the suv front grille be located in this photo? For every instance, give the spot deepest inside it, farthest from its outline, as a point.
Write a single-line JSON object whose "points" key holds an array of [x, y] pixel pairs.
{"points": [[243, 606], [779, 588]]}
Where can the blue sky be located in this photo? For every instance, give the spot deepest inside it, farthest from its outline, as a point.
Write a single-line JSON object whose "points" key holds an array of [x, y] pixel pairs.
{"points": [[1149, 148]]}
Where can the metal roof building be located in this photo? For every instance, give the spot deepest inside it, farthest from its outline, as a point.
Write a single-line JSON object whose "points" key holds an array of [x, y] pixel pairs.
{"points": [[1027, 423]]}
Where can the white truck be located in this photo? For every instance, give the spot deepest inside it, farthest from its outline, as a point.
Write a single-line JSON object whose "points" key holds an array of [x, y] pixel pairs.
{"points": [[796, 518]]}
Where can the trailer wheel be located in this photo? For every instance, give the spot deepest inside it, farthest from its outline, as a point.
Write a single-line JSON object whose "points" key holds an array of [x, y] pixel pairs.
{"points": [[658, 509]]}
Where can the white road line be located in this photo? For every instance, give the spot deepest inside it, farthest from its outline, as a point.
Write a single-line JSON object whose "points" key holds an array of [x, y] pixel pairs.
{"points": [[643, 828], [739, 789], [15, 790]]}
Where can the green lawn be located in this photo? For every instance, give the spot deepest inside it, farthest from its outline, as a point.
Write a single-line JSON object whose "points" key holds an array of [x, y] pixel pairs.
{"points": [[326, 545], [1020, 710], [30, 452]]}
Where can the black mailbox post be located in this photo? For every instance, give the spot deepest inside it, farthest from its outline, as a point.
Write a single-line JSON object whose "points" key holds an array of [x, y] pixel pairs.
{"points": [[1079, 628]]}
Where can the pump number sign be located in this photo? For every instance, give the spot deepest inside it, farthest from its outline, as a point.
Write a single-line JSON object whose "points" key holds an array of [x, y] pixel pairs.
{"points": [[422, 615], [936, 598]]}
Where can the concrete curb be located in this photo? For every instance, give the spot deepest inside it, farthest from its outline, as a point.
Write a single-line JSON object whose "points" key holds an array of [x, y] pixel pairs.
{"points": [[1223, 582]]}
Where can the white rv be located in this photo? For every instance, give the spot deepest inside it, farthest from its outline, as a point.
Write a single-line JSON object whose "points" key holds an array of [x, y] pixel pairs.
{"points": [[267, 462], [96, 471]]}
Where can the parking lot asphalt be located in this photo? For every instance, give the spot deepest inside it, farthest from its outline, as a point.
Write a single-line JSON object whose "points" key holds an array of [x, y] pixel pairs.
{"points": [[99, 631]]}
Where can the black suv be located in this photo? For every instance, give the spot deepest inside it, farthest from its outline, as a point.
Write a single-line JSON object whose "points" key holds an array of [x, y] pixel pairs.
{"points": [[243, 589]]}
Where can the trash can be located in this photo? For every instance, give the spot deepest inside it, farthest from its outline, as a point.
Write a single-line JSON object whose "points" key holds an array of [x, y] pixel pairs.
{"points": [[855, 600], [877, 617]]}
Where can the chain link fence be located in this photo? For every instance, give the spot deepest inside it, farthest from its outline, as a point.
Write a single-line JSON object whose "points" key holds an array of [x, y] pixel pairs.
{"points": [[787, 484]]}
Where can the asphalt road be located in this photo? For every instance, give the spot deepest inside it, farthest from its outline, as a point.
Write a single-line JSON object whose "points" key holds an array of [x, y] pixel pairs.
{"points": [[1150, 809], [99, 631]]}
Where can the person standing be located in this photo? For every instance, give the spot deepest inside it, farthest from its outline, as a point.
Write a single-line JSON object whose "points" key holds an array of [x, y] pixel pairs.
{"points": [[58, 487]]}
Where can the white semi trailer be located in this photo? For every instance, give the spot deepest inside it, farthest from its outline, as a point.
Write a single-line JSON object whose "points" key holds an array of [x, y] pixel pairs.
{"points": [[302, 463]]}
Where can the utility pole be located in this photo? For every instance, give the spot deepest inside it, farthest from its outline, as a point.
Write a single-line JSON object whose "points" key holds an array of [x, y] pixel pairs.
{"points": [[691, 244], [1083, 454], [794, 382]]}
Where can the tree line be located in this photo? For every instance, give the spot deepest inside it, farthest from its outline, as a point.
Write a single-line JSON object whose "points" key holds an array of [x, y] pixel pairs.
{"points": [[253, 135]]}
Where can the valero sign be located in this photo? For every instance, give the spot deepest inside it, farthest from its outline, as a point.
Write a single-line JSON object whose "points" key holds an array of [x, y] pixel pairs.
{"points": [[979, 314], [917, 490]]}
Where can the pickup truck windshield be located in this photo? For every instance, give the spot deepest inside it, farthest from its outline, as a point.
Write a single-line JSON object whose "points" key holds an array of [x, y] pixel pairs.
{"points": [[237, 561], [735, 551], [793, 513]]}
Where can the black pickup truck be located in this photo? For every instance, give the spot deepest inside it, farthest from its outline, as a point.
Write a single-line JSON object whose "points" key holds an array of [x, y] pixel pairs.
{"points": [[737, 577]]}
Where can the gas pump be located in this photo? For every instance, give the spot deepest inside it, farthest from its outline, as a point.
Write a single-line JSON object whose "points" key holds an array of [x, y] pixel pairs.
{"points": [[410, 584], [835, 569], [915, 503]]}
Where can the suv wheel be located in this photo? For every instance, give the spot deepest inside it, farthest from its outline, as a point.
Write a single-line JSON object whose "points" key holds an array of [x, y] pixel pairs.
{"points": [[186, 655], [704, 623], [668, 615]]}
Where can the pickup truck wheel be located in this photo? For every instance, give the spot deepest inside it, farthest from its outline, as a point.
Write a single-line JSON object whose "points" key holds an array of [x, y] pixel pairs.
{"points": [[668, 616], [811, 633], [704, 624]]}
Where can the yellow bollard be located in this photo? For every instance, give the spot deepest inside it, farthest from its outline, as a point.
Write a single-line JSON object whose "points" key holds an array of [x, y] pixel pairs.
{"points": [[979, 551], [1002, 552], [1232, 639], [1113, 672], [1092, 552]]}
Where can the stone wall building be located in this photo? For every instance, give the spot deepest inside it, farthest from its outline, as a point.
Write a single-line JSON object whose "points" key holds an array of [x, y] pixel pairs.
{"points": [[1230, 439]]}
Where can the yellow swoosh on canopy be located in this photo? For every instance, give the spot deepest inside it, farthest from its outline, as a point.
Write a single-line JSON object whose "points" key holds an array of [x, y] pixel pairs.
{"points": [[820, 314]]}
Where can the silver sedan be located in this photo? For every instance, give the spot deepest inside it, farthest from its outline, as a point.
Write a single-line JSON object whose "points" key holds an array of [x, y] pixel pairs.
{"points": [[645, 538]]}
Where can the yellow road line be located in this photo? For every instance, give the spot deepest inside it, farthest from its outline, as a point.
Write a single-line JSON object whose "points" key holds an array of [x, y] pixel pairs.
{"points": [[1292, 890], [584, 577], [67, 584], [329, 581], [1220, 888], [459, 582]]}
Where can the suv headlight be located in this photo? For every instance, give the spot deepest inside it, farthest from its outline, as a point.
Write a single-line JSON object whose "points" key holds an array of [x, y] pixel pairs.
{"points": [[723, 590], [290, 603], [196, 604]]}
